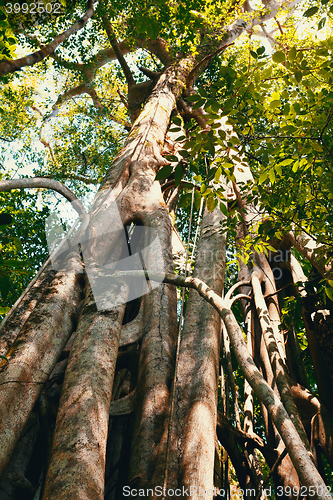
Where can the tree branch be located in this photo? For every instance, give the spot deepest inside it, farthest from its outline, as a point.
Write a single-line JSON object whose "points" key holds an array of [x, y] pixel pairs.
{"points": [[11, 66], [114, 43], [225, 426], [41, 182], [309, 249]]}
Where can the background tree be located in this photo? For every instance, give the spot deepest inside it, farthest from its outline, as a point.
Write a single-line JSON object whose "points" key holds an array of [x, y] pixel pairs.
{"points": [[113, 396]]}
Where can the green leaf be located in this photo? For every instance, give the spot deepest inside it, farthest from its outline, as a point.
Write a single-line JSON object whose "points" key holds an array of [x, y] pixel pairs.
{"points": [[4, 310], [298, 76], [199, 104], [193, 98], [254, 54], [278, 169], [261, 50], [197, 199], [5, 219], [178, 174], [329, 292], [184, 153], [228, 105], [316, 146], [11, 41], [310, 12], [215, 105], [271, 174], [295, 166], [152, 28], [163, 173], [321, 23], [211, 203], [286, 109], [224, 209], [234, 140], [185, 200], [263, 177], [279, 56], [292, 54], [171, 158], [218, 174], [289, 161], [274, 104], [4, 286], [177, 120]]}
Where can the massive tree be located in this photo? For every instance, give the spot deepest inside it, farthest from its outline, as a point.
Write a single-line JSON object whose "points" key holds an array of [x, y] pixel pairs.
{"points": [[111, 386]]}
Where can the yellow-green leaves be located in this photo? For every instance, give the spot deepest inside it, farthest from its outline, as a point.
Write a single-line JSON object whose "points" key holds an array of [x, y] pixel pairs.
{"points": [[292, 54], [263, 177], [298, 75], [275, 104], [211, 203], [271, 175], [329, 290], [279, 57], [288, 161], [218, 174]]}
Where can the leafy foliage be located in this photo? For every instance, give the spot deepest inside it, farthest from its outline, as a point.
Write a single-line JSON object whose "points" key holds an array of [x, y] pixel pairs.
{"points": [[23, 245]]}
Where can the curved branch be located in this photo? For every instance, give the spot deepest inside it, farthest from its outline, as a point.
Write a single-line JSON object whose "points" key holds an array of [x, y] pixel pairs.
{"points": [[41, 182], [123, 406], [234, 287], [237, 297], [224, 425], [102, 57], [31, 59]]}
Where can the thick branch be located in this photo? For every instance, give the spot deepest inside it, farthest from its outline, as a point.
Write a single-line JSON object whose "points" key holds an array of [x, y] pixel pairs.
{"points": [[31, 59], [89, 69], [40, 182], [309, 249], [224, 425]]}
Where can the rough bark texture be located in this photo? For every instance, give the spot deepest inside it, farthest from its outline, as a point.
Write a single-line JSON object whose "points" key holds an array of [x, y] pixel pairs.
{"points": [[33, 355], [193, 421], [79, 444]]}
